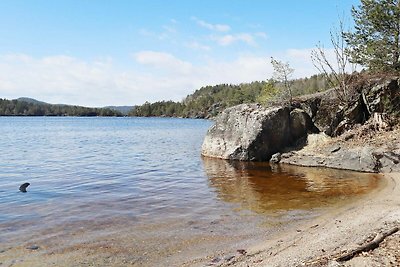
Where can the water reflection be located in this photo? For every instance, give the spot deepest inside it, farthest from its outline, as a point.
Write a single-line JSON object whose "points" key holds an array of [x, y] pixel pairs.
{"points": [[264, 188]]}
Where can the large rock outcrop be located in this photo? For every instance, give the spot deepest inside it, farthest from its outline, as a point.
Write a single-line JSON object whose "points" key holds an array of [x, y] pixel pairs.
{"points": [[361, 134], [321, 107], [324, 151], [370, 97], [251, 132]]}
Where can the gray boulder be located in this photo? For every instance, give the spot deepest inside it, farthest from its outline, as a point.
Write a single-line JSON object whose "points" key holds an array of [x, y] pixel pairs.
{"points": [[248, 132], [276, 158], [300, 124], [251, 132]]}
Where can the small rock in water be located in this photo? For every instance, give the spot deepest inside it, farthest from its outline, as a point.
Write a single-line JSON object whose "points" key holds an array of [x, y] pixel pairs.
{"points": [[33, 247], [276, 158], [23, 187]]}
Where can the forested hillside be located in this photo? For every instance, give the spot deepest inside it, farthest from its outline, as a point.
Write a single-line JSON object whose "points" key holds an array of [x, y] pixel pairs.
{"points": [[31, 108], [208, 101]]}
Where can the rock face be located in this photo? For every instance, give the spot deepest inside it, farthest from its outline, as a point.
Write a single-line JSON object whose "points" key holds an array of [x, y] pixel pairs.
{"points": [[322, 151], [321, 107], [253, 133], [358, 159], [374, 97], [300, 124]]}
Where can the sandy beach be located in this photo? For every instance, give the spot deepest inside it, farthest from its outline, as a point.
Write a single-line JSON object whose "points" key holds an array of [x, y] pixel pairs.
{"points": [[320, 241]]}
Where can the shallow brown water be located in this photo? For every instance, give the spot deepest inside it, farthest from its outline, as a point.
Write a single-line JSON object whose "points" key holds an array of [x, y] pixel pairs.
{"points": [[268, 189]]}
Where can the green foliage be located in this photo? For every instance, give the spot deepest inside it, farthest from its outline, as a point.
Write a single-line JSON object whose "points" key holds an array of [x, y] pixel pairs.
{"points": [[209, 101], [23, 108], [311, 85], [268, 93], [375, 41], [158, 109], [204, 102]]}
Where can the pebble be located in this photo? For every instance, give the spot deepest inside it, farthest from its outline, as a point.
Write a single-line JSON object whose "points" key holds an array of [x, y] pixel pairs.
{"points": [[229, 258], [242, 251], [33, 247], [215, 260]]}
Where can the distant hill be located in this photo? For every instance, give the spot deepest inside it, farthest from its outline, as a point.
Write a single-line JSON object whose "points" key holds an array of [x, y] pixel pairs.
{"points": [[123, 109], [25, 106], [32, 101]]}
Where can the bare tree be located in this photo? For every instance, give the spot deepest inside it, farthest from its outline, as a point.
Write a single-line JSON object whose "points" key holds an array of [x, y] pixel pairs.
{"points": [[335, 72], [283, 73]]}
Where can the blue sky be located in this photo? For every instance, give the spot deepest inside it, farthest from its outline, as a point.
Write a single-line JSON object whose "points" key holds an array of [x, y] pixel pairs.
{"points": [[96, 53]]}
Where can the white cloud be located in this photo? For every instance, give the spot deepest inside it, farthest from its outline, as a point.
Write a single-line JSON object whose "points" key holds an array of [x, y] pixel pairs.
{"points": [[161, 60], [303, 56], [155, 76], [212, 27], [229, 39]]}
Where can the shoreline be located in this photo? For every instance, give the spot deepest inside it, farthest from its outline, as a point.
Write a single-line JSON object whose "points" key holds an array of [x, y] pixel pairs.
{"points": [[309, 242], [124, 248], [331, 234]]}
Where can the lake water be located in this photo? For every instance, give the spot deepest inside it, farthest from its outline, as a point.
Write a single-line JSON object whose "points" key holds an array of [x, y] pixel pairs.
{"points": [[135, 191]]}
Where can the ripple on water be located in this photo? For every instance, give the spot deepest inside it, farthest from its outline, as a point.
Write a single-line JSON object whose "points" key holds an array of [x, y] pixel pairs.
{"points": [[144, 179]]}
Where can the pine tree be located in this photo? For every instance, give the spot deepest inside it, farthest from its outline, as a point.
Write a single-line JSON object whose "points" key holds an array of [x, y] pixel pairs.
{"points": [[375, 40]]}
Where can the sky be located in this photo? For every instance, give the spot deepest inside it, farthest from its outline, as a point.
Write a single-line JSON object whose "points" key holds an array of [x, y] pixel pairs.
{"points": [[125, 52]]}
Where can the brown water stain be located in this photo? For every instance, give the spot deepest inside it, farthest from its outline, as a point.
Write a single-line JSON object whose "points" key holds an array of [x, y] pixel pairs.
{"points": [[263, 188]]}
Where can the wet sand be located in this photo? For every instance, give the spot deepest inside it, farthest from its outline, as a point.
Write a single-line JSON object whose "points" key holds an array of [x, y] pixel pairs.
{"points": [[317, 242]]}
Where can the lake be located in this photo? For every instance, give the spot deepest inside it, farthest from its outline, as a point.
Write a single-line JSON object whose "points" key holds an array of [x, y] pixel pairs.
{"points": [[135, 191]]}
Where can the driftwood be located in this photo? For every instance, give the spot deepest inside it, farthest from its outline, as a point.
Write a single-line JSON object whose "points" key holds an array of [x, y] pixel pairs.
{"points": [[368, 246]]}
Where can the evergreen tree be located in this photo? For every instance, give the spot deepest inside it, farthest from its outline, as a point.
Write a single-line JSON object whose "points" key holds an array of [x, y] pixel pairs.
{"points": [[375, 41]]}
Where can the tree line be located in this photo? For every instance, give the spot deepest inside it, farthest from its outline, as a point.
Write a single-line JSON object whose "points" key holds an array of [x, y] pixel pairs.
{"points": [[209, 101], [23, 108]]}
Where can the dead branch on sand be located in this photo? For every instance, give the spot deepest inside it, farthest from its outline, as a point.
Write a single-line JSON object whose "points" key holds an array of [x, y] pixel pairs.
{"points": [[368, 246]]}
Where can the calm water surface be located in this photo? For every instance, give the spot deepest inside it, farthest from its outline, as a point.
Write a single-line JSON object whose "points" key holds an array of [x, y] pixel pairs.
{"points": [[143, 179]]}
